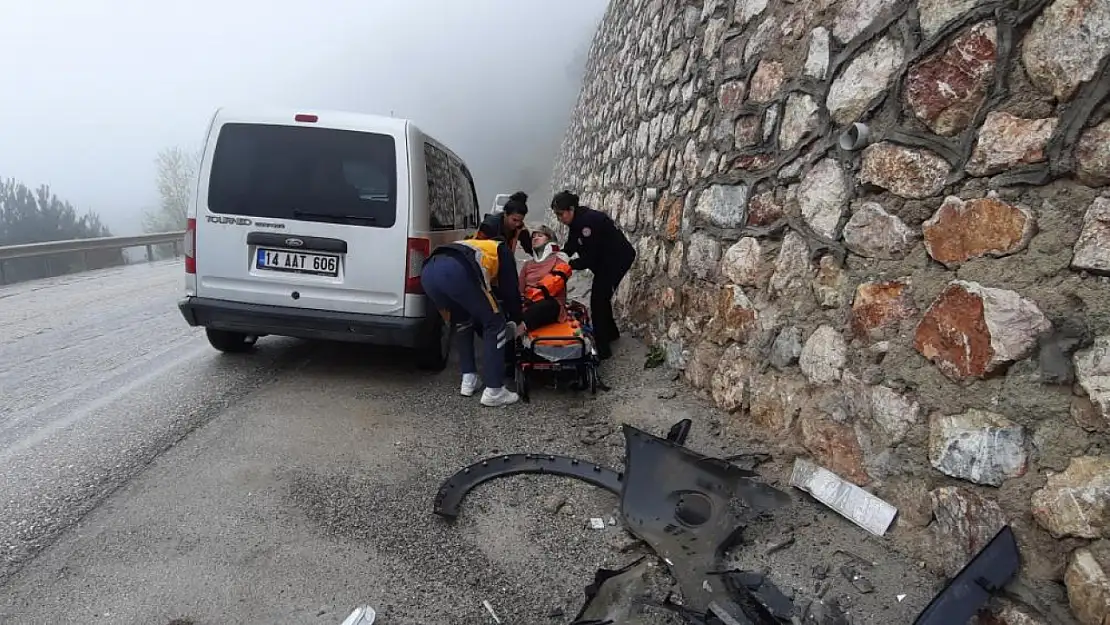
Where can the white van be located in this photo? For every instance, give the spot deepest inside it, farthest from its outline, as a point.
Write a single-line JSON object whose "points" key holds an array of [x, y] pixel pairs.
{"points": [[316, 225]]}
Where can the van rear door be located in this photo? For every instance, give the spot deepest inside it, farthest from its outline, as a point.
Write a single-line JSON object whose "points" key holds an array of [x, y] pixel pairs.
{"points": [[307, 216]]}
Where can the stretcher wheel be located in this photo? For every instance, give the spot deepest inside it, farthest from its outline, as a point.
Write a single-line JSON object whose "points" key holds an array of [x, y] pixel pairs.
{"points": [[521, 379]]}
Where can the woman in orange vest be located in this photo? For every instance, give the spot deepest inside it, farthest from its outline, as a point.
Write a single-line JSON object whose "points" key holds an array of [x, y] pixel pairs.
{"points": [[543, 281]]}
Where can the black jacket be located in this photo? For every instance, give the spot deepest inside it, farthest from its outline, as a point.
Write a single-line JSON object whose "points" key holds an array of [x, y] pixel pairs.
{"points": [[507, 289], [495, 222], [601, 246]]}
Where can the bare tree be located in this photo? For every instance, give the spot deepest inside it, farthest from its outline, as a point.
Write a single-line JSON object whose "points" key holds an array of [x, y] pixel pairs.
{"points": [[177, 179]]}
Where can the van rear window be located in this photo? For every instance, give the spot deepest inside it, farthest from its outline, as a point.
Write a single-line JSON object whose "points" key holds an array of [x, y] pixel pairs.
{"points": [[308, 174]]}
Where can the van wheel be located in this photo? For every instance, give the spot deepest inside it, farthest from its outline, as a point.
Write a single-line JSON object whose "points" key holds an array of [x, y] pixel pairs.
{"points": [[229, 342], [435, 344]]}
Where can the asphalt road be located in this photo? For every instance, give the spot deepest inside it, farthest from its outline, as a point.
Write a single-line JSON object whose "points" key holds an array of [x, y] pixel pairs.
{"points": [[98, 374], [151, 480]]}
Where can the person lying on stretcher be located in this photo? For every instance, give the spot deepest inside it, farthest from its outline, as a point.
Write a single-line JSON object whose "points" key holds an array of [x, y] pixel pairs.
{"points": [[543, 284]]}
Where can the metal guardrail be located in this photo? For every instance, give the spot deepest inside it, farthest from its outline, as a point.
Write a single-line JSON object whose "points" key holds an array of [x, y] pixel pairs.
{"points": [[51, 248]]}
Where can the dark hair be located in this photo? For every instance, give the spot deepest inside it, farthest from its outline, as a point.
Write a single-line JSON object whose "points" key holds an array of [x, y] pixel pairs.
{"points": [[513, 207], [564, 200], [517, 204]]}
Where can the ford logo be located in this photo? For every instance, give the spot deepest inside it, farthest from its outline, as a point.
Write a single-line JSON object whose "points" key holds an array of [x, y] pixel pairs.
{"points": [[294, 242]]}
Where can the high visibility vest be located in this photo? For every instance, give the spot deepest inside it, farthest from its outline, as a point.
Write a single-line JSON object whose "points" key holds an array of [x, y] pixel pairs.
{"points": [[512, 241], [484, 253]]}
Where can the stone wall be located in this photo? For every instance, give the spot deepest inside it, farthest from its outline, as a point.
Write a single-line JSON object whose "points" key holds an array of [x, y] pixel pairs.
{"points": [[923, 309]]}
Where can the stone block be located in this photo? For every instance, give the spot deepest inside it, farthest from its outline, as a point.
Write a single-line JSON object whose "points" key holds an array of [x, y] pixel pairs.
{"points": [[881, 304], [729, 384], [786, 349], [775, 401], [793, 268], [855, 16], [865, 78], [1092, 249], [764, 210], [835, 446], [817, 56], [1006, 141], [703, 364], [945, 89], [734, 318], [724, 206], [829, 283], [743, 262], [799, 119], [905, 172], [874, 233], [965, 522], [972, 331], [703, 255], [823, 197], [766, 81], [1092, 156], [978, 446], [1087, 580], [962, 230], [1077, 501], [823, 357], [935, 14], [1066, 45]]}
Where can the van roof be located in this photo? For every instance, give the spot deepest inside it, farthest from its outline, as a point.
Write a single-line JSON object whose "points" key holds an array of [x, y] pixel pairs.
{"points": [[327, 118], [340, 120]]}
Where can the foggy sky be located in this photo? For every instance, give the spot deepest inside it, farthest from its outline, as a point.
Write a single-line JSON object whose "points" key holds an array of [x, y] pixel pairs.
{"points": [[92, 89]]}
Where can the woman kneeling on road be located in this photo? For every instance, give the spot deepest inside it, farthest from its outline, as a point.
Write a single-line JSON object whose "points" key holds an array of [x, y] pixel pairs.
{"points": [[464, 280]]}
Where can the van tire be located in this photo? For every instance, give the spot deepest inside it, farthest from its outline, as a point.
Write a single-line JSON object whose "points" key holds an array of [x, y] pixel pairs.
{"points": [[434, 349], [229, 342]]}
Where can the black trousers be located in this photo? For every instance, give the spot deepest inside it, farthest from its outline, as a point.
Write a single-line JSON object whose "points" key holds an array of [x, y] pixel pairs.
{"points": [[601, 308]]}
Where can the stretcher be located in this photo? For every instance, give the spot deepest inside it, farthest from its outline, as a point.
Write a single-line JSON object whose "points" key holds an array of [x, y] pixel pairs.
{"points": [[562, 347]]}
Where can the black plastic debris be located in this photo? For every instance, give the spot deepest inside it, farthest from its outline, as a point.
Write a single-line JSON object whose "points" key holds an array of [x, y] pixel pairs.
{"points": [[856, 579], [455, 488], [985, 575], [768, 599], [690, 508], [612, 597]]}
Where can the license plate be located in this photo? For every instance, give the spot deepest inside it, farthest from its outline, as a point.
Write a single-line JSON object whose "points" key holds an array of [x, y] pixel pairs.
{"points": [[297, 262]]}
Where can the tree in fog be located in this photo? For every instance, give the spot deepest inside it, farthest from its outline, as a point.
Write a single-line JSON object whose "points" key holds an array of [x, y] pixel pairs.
{"points": [[28, 216], [37, 216], [176, 179]]}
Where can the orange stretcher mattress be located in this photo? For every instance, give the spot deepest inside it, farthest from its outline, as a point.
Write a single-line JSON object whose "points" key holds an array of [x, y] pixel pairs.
{"points": [[556, 350]]}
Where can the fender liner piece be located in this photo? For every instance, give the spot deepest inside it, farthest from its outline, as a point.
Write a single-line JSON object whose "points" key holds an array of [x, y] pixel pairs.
{"points": [[455, 488], [690, 509], [985, 575]]}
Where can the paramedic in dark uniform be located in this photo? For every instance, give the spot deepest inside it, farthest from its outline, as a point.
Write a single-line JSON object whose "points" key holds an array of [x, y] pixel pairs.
{"points": [[603, 249]]}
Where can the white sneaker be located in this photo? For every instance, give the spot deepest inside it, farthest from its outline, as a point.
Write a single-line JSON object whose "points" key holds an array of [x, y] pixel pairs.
{"points": [[499, 397], [470, 383]]}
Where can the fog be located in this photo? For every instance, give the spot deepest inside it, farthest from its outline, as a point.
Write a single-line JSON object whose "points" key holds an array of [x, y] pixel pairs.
{"points": [[92, 89]]}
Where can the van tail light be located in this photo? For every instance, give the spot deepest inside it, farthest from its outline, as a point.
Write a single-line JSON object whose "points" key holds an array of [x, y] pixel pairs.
{"points": [[418, 252], [190, 246]]}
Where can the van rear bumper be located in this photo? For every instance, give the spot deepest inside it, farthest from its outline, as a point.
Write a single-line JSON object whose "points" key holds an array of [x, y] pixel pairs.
{"points": [[258, 319]]}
